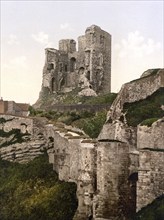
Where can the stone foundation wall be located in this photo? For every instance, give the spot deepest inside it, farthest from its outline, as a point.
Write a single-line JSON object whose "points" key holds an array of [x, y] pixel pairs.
{"points": [[113, 194], [150, 177], [150, 142]]}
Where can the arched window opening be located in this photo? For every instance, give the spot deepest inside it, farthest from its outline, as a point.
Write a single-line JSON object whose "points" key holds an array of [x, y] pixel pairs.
{"points": [[65, 68], [53, 84], [87, 57], [81, 70], [72, 64], [60, 67], [133, 178], [88, 75], [50, 66]]}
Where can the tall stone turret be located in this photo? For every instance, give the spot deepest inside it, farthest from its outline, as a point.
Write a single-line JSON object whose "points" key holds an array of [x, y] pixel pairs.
{"points": [[96, 45]]}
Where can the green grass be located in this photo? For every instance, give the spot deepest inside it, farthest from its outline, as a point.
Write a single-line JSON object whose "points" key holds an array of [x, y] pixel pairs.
{"points": [[90, 122], [142, 110], [72, 97], [92, 125], [148, 122], [33, 192], [153, 211]]}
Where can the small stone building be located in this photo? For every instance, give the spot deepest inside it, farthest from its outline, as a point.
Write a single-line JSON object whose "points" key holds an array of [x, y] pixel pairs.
{"points": [[13, 108], [89, 67]]}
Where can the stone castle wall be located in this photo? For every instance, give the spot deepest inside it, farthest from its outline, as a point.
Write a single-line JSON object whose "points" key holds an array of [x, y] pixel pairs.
{"points": [[117, 174], [150, 142], [105, 171], [31, 146], [113, 197], [151, 137], [150, 177]]}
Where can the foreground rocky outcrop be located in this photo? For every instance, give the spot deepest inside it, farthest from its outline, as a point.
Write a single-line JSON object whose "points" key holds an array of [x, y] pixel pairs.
{"points": [[21, 138]]}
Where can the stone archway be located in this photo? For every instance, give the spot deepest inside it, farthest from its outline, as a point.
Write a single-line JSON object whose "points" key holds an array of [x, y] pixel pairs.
{"points": [[72, 64]]}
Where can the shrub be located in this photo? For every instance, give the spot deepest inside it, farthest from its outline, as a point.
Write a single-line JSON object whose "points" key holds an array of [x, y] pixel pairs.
{"points": [[93, 125], [153, 211], [145, 109], [148, 122], [33, 191]]}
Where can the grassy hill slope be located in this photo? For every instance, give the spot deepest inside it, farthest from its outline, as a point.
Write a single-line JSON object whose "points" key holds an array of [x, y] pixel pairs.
{"points": [[33, 192]]}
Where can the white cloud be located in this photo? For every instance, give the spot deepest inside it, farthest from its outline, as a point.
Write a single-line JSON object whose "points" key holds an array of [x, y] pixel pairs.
{"points": [[136, 45], [13, 39], [17, 80], [15, 65], [42, 38], [132, 56], [66, 26]]}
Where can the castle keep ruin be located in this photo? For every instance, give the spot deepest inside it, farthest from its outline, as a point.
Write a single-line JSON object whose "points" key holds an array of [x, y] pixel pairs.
{"points": [[89, 67]]}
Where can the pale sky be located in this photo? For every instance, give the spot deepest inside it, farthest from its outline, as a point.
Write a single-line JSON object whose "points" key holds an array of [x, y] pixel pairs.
{"points": [[28, 27]]}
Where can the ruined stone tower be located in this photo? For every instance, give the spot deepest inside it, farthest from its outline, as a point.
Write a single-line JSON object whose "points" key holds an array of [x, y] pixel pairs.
{"points": [[88, 67]]}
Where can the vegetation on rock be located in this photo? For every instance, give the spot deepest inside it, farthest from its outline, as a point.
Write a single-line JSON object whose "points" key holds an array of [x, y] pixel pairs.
{"points": [[14, 135], [71, 98], [153, 211], [148, 122], [145, 111], [90, 122], [33, 191]]}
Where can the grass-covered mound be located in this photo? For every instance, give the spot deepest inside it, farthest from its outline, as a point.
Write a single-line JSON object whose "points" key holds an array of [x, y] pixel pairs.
{"points": [[90, 122], [33, 192], [145, 111], [153, 211], [46, 100], [71, 98]]}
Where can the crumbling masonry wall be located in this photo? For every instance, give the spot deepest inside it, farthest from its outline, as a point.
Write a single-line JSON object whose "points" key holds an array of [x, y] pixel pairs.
{"points": [[89, 67], [150, 143], [150, 177], [29, 130], [105, 171]]}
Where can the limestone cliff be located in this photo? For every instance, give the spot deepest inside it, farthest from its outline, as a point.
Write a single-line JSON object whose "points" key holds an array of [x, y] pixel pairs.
{"points": [[146, 144]]}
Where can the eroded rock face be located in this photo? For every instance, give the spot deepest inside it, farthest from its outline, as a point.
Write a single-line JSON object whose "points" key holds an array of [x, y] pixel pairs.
{"points": [[136, 90], [89, 67], [21, 138], [146, 144]]}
